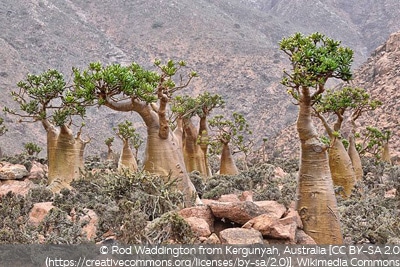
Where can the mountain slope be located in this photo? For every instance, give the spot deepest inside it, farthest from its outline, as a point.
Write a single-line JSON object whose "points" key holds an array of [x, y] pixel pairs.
{"points": [[233, 45]]}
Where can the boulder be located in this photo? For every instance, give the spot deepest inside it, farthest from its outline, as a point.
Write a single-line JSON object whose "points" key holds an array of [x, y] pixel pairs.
{"points": [[199, 226], [272, 208], [246, 196], [10, 171], [16, 186], [91, 227], [39, 212], [272, 227], [279, 172], [240, 236], [292, 216], [229, 198], [38, 171], [212, 239], [391, 193], [238, 212], [303, 239], [203, 212]]}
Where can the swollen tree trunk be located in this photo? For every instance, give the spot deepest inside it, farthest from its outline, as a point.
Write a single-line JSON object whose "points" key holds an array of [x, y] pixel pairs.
{"points": [[163, 153], [178, 132], [67, 160], [163, 156], [227, 165], [341, 167], [127, 160], [110, 153], [355, 158], [192, 153], [316, 201], [386, 153], [52, 136], [340, 164], [204, 138]]}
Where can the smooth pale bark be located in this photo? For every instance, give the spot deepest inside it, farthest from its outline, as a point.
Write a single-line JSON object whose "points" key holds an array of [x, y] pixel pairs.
{"points": [[355, 158], [52, 135], [227, 165], [204, 139], [340, 163], [66, 162], [316, 201], [164, 157], [192, 153], [178, 132], [110, 153], [386, 153], [163, 153], [127, 160], [341, 167]]}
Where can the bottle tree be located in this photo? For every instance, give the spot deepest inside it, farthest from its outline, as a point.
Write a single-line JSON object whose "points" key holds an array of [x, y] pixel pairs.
{"points": [[147, 93], [375, 142], [345, 165], [195, 139], [32, 148], [46, 98], [127, 133], [314, 60], [110, 153], [228, 138]]}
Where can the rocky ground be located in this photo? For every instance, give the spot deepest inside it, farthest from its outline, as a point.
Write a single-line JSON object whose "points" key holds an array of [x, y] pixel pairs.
{"points": [[254, 207]]}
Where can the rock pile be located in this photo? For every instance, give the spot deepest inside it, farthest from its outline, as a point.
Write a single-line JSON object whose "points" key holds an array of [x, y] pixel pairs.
{"points": [[229, 220], [17, 179]]}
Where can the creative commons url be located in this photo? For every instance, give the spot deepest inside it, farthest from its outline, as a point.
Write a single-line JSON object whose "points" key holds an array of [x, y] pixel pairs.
{"points": [[215, 255]]}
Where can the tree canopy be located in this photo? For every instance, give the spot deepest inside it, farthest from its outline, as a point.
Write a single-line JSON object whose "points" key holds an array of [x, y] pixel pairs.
{"points": [[314, 58]]}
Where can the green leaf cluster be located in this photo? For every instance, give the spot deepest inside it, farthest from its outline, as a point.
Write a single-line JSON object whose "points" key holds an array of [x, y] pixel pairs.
{"points": [[109, 141], [235, 132], [32, 148], [44, 87], [202, 105], [125, 130], [315, 58], [374, 140], [346, 98], [98, 81], [46, 96]]}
